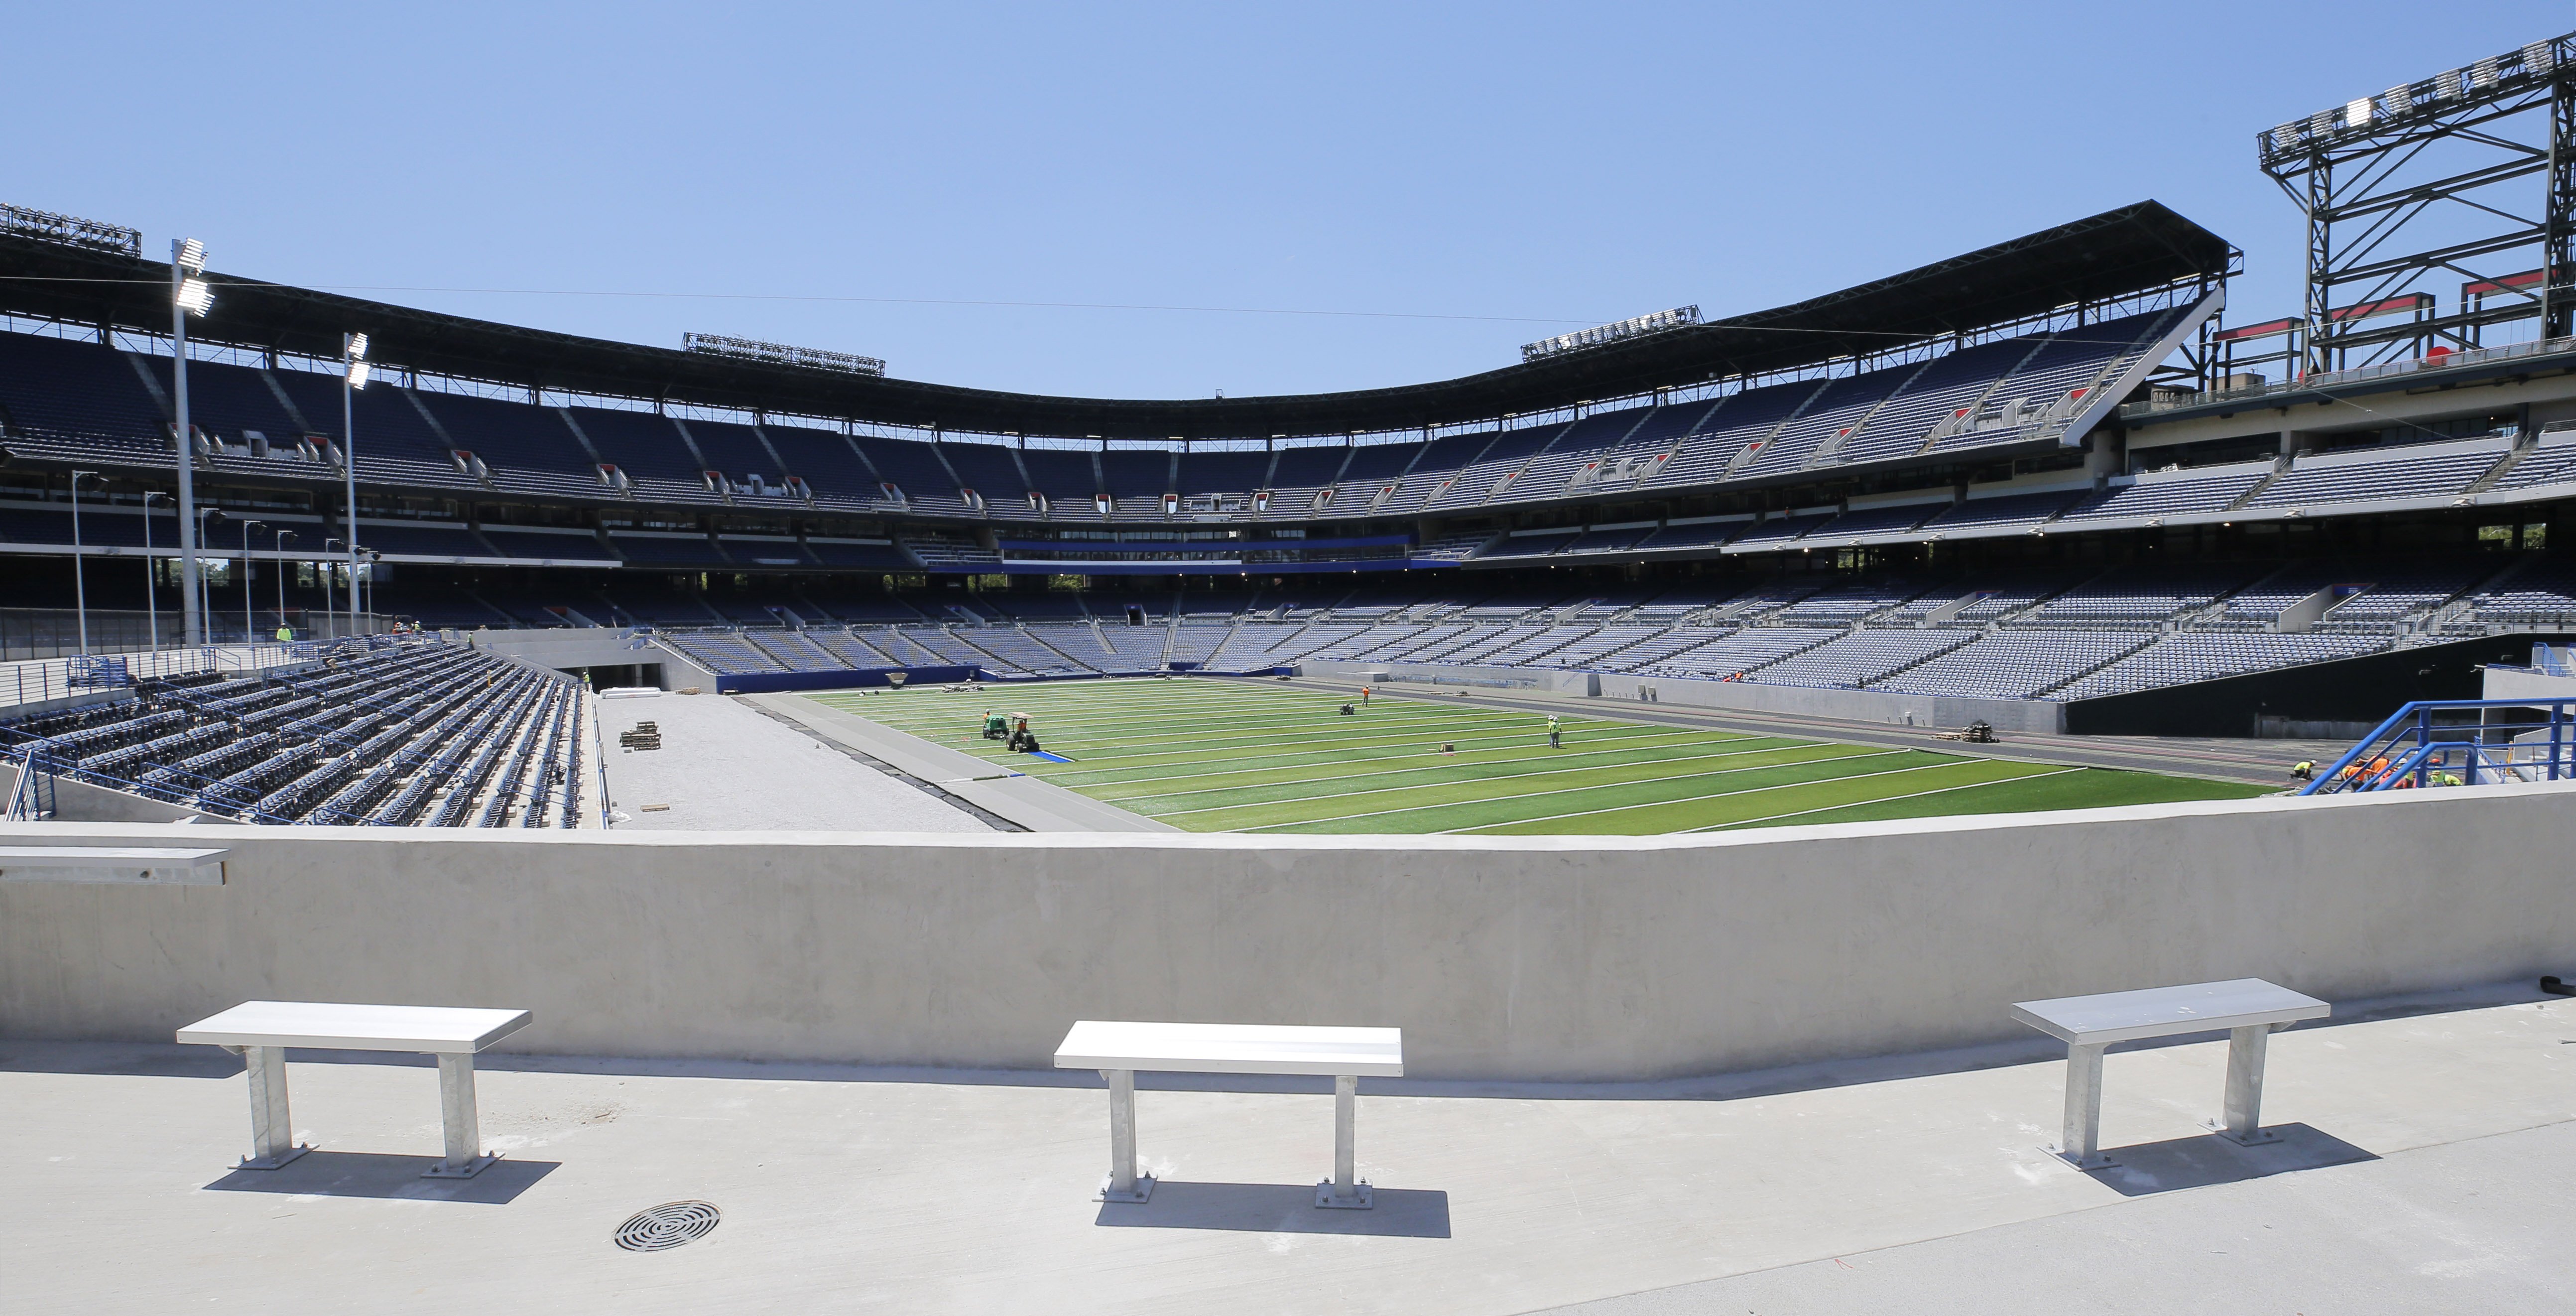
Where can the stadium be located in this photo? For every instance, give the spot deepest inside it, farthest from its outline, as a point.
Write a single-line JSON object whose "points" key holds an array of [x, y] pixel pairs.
{"points": [[854, 728]]}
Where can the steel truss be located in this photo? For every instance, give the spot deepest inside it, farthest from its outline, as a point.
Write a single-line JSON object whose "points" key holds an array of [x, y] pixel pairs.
{"points": [[2426, 181]]}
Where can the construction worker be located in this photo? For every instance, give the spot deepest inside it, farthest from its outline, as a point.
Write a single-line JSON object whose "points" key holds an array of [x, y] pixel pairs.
{"points": [[2445, 779], [2304, 770], [1364, 694], [285, 635], [1555, 733]]}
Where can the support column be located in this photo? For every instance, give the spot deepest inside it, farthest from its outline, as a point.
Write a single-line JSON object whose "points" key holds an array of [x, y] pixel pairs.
{"points": [[1343, 1190], [272, 1129], [456, 1115], [1125, 1185], [2079, 1142], [2243, 1111]]}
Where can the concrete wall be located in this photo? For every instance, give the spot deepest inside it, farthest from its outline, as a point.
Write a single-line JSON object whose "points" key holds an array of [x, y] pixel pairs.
{"points": [[583, 646], [1539, 958], [78, 801]]}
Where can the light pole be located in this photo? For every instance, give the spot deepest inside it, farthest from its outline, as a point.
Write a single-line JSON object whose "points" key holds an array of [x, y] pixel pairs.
{"points": [[151, 572], [330, 601], [80, 578], [282, 537], [373, 557], [353, 376], [201, 585], [189, 295], [250, 628]]}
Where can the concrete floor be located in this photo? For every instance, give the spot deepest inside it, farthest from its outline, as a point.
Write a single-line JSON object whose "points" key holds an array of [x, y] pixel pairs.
{"points": [[727, 767], [2426, 1166]]}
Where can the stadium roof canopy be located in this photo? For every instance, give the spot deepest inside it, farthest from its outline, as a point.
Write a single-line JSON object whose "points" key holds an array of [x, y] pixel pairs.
{"points": [[2133, 249]]}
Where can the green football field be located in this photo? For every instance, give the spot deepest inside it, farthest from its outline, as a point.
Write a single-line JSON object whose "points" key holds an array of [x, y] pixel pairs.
{"points": [[1215, 756]]}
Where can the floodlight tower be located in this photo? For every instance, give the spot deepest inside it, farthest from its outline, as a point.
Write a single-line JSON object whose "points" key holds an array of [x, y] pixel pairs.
{"points": [[189, 295], [353, 376], [2468, 174]]}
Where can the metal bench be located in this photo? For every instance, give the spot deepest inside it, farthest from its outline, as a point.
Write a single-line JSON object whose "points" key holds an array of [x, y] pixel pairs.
{"points": [[1118, 1050], [2249, 1009], [260, 1031]]}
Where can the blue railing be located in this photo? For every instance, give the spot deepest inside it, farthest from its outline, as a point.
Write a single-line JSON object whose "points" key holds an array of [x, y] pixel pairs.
{"points": [[2458, 742]]}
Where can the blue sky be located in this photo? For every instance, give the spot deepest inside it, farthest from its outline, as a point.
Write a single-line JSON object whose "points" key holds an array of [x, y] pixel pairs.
{"points": [[1471, 176]]}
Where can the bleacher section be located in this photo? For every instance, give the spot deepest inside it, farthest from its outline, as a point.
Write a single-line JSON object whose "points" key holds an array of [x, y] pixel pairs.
{"points": [[69, 399], [417, 733]]}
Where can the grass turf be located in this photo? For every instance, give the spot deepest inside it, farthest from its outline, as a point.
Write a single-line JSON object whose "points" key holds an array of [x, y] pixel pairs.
{"points": [[1209, 755]]}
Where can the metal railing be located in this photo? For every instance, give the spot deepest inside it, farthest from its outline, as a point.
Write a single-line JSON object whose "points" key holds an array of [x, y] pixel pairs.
{"points": [[56, 632], [58, 678], [2458, 742], [2359, 374]]}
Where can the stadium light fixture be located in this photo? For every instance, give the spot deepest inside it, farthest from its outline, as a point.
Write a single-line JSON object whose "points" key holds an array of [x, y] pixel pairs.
{"points": [[189, 295]]}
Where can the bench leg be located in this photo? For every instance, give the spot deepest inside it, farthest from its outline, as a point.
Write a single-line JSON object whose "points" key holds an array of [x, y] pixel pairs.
{"points": [[456, 1115], [272, 1130], [2243, 1121], [1342, 1191], [2080, 1142], [1125, 1185]]}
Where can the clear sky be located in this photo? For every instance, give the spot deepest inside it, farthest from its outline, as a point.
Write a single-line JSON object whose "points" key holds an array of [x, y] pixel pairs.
{"points": [[969, 190]]}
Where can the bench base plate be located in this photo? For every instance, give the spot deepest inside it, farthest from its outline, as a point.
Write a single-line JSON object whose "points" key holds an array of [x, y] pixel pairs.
{"points": [[2096, 1161], [1144, 1190], [2255, 1139], [446, 1170], [277, 1162], [1361, 1198]]}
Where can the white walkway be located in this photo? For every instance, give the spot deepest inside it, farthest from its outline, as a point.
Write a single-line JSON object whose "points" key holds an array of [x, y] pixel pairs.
{"points": [[2427, 1167], [727, 767]]}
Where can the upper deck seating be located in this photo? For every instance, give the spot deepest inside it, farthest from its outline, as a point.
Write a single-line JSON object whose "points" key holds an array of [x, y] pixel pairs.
{"points": [[2352, 477]]}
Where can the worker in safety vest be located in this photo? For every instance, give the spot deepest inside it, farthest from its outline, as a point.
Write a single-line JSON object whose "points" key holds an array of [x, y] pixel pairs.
{"points": [[2304, 770], [1555, 738]]}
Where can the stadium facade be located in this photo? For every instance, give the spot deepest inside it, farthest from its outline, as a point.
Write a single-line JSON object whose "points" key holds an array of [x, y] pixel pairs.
{"points": [[2037, 479]]}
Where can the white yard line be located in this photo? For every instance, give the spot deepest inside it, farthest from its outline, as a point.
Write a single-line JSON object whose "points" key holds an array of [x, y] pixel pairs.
{"points": [[1514, 776], [1714, 795], [1568, 790], [1883, 799]]}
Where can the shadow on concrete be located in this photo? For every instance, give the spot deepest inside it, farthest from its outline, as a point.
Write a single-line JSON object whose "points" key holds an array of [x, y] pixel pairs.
{"points": [[146, 1060], [1271, 1208], [375, 1174], [2163, 1167]]}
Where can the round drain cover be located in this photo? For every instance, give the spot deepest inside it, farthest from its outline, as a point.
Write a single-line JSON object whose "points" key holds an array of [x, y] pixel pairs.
{"points": [[668, 1226]]}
